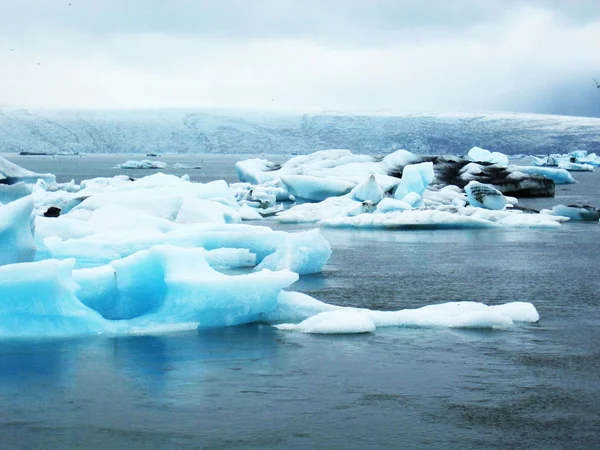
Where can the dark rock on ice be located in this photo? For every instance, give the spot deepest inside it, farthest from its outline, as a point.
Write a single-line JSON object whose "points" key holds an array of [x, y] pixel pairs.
{"points": [[53, 211]]}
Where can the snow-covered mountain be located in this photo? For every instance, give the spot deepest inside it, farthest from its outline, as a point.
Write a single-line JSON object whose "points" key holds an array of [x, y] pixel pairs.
{"points": [[202, 131]]}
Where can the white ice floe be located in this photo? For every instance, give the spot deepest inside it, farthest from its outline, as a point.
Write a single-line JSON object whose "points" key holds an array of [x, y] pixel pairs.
{"points": [[143, 164], [445, 217], [307, 315], [180, 166], [575, 167], [575, 212], [482, 155]]}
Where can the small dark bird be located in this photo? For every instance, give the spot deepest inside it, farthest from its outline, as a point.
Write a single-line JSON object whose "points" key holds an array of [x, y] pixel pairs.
{"points": [[12, 49], [597, 84]]}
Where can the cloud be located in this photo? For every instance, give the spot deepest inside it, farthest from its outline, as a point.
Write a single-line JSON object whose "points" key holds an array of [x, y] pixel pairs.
{"points": [[350, 55]]}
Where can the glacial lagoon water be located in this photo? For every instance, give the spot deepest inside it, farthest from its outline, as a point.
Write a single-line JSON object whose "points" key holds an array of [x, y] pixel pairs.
{"points": [[531, 386]]}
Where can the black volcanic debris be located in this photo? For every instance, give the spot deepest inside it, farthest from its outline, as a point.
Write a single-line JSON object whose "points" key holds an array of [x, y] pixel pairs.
{"points": [[508, 180], [53, 211]]}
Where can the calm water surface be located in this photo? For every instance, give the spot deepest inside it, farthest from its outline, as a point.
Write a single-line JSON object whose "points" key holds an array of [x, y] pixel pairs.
{"points": [[532, 386]]}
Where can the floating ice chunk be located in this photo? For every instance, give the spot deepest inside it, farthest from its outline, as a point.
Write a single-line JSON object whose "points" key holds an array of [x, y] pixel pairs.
{"points": [[144, 164], [482, 155], [559, 176], [11, 173], [100, 183], [368, 190], [575, 167], [17, 229], [484, 196], [256, 171], [333, 322], [304, 253], [315, 189], [180, 166], [575, 212], [445, 217], [39, 300], [318, 317], [415, 178]]}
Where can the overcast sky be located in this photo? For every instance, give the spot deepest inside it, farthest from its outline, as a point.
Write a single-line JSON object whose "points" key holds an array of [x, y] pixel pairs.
{"points": [[302, 55]]}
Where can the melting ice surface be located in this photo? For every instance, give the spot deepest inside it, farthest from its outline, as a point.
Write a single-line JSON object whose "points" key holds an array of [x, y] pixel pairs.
{"points": [[156, 254]]}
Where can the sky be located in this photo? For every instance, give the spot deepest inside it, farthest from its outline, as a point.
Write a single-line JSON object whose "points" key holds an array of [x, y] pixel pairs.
{"points": [[361, 56]]}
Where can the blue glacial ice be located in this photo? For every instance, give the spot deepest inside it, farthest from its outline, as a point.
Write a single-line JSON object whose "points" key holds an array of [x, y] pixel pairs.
{"points": [[143, 164], [484, 196], [478, 154], [575, 212], [17, 229], [151, 255]]}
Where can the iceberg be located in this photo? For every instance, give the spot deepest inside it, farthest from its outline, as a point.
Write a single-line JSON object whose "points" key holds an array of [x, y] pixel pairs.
{"points": [[17, 229], [484, 196], [39, 300], [314, 188], [320, 318], [143, 164], [482, 155], [445, 218], [415, 179], [558, 176], [575, 167], [575, 212], [11, 173]]}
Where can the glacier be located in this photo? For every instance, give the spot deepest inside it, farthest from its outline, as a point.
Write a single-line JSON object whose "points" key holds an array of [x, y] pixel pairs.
{"points": [[257, 133]]}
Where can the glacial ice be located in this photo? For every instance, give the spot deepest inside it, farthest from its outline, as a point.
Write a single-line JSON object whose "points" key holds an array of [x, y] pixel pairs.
{"points": [[575, 167], [148, 255], [11, 173], [320, 318], [17, 229], [39, 300], [478, 154], [143, 164], [575, 212], [415, 179], [484, 196], [559, 176]]}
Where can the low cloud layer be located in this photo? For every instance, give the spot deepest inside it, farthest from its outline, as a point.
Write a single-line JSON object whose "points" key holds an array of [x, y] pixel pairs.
{"points": [[356, 56]]}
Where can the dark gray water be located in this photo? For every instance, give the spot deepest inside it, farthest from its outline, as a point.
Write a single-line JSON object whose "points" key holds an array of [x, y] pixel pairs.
{"points": [[532, 386]]}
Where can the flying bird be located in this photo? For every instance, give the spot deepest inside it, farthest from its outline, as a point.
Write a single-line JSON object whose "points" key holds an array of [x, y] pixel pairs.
{"points": [[597, 84]]}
